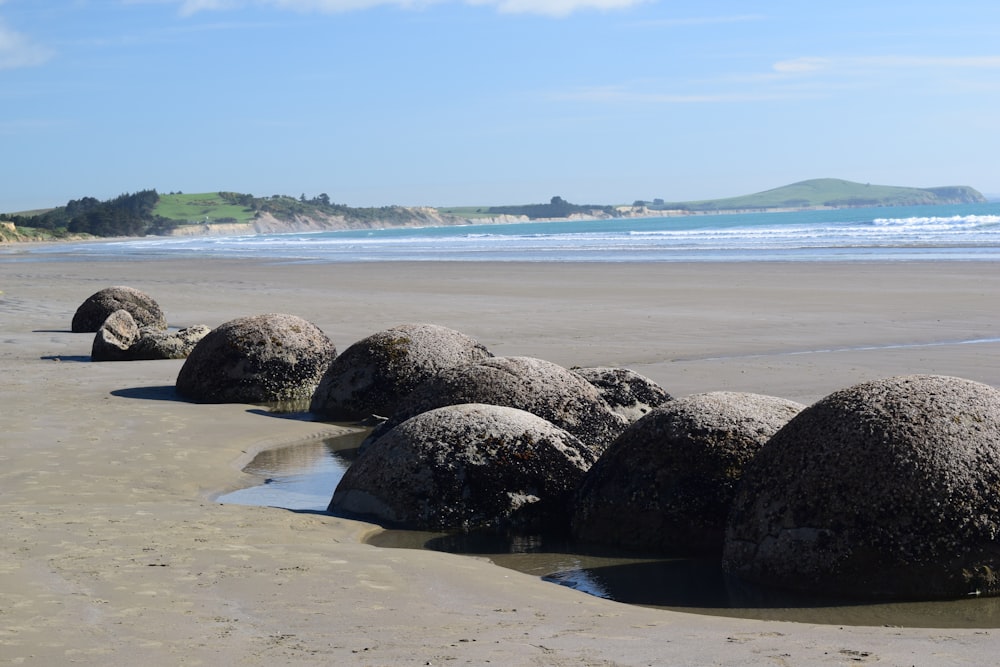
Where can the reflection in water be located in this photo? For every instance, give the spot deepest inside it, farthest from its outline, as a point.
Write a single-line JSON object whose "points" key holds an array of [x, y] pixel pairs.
{"points": [[298, 477], [303, 477]]}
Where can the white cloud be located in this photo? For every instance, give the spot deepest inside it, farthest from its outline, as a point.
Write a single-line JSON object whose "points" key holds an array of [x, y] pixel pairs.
{"points": [[555, 8], [16, 50]]}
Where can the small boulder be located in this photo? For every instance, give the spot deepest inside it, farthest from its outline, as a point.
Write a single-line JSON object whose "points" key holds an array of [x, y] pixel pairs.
{"points": [[95, 310], [540, 387], [466, 466], [257, 359], [157, 344], [371, 376], [115, 337], [667, 482], [628, 393], [884, 490]]}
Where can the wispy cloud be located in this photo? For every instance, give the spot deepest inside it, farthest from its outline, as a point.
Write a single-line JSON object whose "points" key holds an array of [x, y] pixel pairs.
{"points": [[17, 50], [555, 8], [804, 78]]}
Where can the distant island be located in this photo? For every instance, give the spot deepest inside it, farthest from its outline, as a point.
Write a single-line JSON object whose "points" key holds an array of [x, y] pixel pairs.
{"points": [[148, 212]]}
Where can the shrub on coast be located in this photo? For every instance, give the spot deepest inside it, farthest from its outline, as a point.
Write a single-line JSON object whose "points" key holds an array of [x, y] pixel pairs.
{"points": [[884, 490], [540, 387], [98, 306], [257, 359], [667, 482], [374, 374], [465, 467]]}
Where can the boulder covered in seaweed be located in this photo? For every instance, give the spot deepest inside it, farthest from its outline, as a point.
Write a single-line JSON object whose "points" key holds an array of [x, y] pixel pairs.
{"points": [[667, 482], [371, 376], [98, 306], [257, 359], [466, 466], [889, 489]]}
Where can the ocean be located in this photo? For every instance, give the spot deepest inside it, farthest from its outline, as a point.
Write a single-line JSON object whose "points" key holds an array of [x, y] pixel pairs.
{"points": [[960, 233]]}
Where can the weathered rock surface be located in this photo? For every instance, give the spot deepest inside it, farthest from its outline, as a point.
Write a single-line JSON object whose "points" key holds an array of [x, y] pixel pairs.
{"points": [[628, 393], [888, 489], [533, 385], [466, 466], [121, 339], [157, 344], [371, 376], [95, 310], [666, 484], [115, 337], [262, 358]]}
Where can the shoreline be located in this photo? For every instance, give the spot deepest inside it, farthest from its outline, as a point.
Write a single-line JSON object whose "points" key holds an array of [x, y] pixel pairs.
{"points": [[118, 555]]}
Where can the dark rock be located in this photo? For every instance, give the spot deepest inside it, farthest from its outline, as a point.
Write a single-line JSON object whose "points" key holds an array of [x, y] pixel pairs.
{"points": [[889, 489], [372, 375], [534, 385], [115, 337], [628, 393], [666, 484], [466, 466], [95, 310], [263, 358]]}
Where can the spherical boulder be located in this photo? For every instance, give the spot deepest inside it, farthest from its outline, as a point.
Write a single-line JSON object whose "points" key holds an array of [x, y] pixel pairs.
{"points": [[466, 466], [667, 482], [371, 376], [886, 490], [98, 306], [628, 393], [257, 359], [540, 387]]}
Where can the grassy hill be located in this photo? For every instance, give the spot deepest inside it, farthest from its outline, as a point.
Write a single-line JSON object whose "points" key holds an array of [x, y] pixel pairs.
{"points": [[204, 207], [832, 193]]}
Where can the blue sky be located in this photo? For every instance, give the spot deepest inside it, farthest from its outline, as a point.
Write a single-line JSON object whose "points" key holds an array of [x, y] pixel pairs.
{"points": [[462, 102]]}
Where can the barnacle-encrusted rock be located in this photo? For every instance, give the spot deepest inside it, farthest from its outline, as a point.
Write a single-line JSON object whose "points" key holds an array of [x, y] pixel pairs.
{"points": [[667, 482], [466, 466], [628, 393], [262, 358], [888, 489], [95, 310], [534, 385], [372, 375]]}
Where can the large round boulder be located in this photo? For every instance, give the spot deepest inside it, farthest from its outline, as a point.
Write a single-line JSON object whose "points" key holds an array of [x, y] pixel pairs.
{"points": [[257, 359], [666, 484], [95, 310], [540, 387], [371, 376], [886, 490], [466, 466], [628, 393]]}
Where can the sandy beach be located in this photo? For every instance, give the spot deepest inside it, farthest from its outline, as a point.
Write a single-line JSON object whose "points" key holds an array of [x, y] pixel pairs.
{"points": [[116, 553]]}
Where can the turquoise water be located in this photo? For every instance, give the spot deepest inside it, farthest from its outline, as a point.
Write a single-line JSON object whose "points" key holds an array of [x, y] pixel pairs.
{"points": [[964, 233]]}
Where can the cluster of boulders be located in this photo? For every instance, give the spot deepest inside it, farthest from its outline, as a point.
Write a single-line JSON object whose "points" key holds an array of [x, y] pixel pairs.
{"points": [[889, 489], [131, 326]]}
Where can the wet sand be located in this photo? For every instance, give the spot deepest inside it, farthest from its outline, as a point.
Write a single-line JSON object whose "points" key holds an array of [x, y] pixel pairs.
{"points": [[115, 552]]}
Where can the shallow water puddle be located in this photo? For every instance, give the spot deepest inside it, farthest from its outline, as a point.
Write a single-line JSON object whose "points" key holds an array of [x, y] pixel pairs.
{"points": [[303, 477]]}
